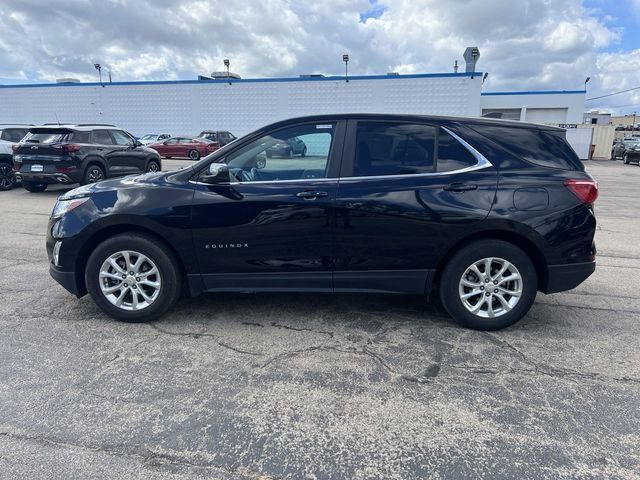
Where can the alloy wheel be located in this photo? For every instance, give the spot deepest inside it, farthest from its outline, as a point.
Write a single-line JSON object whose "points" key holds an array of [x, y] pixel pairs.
{"points": [[490, 287], [130, 280], [7, 177], [95, 175], [153, 167]]}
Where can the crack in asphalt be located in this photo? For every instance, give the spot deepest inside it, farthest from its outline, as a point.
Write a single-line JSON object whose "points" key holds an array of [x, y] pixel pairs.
{"points": [[198, 335], [145, 456]]}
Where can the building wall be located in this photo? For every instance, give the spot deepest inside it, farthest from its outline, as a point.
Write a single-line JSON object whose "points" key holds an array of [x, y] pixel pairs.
{"points": [[552, 107], [187, 107]]}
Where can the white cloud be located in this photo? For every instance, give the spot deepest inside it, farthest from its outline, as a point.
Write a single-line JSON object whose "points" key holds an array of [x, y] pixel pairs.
{"points": [[524, 44]]}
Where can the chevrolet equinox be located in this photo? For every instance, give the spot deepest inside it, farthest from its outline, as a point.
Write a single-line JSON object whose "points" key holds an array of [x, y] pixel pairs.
{"points": [[484, 212]]}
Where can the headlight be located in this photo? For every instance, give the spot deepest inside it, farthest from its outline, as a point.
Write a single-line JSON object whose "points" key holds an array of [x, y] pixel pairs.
{"points": [[65, 206]]}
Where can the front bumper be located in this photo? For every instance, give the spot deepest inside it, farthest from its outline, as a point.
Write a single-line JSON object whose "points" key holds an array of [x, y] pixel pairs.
{"points": [[66, 279], [560, 278]]}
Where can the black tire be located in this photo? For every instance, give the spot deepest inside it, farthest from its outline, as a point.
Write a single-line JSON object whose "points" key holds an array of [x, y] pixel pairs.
{"points": [[7, 176], [613, 156], [194, 155], [166, 156], [168, 267], [467, 256], [261, 162], [34, 186], [92, 174], [625, 159], [304, 152], [153, 166]]}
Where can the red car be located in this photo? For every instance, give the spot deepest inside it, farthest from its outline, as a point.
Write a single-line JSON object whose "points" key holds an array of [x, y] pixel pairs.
{"points": [[193, 148]]}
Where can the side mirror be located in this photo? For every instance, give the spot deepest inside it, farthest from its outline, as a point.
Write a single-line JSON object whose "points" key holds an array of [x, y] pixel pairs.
{"points": [[218, 173], [137, 143]]}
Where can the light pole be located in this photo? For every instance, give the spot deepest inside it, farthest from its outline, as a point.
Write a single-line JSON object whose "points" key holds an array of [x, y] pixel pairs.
{"points": [[226, 64], [345, 59], [98, 67], [485, 77], [586, 80]]}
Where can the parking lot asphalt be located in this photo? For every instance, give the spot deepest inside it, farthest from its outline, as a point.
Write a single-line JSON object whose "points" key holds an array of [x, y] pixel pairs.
{"points": [[232, 386]]}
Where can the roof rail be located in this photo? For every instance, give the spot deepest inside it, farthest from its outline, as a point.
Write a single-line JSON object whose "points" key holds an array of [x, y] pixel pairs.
{"points": [[18, 124], [94, 125]]}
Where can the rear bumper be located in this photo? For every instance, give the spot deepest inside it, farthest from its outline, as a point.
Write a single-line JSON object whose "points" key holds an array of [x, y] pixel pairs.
{"points": [[566, 277], [56, 178]]}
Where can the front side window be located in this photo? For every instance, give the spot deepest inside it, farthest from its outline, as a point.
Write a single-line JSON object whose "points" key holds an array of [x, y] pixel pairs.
{"points": [[121, 138], [101, 137], [271, 157], [172, 141], [387, 148]]}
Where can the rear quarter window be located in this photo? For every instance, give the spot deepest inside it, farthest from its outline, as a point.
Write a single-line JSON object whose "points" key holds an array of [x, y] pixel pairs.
{"points": [[546, 148]]}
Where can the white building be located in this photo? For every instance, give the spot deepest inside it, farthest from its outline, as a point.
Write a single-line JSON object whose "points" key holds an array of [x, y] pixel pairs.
{"points": [[242, 105]]}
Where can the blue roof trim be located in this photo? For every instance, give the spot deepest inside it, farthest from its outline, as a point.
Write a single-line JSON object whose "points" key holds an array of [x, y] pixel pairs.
{"points": [[250, 80], [536, 92]]}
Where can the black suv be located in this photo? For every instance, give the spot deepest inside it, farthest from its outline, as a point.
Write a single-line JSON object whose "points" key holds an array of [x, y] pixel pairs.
{"points": [[486, 212], [65, 154], [221, 136]]}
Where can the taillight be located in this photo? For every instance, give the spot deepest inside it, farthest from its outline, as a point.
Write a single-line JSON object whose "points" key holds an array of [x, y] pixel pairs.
{"points": [[64, 169], [67, 147], [585, 190], [15, 147]]}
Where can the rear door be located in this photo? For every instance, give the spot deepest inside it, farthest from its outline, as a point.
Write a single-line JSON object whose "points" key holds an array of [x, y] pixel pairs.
{"points": [[407, 192], [105, 146]]}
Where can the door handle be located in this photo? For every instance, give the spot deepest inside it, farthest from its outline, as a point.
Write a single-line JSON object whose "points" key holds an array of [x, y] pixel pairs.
{"points": [[311, 194], [99, 149], [460, 187]]}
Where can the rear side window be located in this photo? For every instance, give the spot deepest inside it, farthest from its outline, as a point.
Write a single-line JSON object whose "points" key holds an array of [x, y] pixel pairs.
{"points": [[386, 148], [452, 155], [80, 137], [101, 137], [13, 134], [547, 148]]}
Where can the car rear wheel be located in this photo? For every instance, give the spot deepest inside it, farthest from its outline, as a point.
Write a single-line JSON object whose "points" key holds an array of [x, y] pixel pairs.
{"points": [[7, 176], [194, 155], [93, 174], [133, 278], [625, 159], [304, 152], [153, 166], [34, 186], [488, 285]]}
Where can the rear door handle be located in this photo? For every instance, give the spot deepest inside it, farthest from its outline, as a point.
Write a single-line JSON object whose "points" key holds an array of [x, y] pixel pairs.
{"points": [[311, 194], [460, 187]]}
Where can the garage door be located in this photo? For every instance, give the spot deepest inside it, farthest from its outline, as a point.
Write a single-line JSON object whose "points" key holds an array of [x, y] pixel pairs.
{"points": [[546, 115]]}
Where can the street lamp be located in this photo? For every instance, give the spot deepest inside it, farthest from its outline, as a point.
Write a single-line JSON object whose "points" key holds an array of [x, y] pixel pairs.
{"points": [[98, 67], [345, 59], [586, 80], [485, 77], [226, 64]]}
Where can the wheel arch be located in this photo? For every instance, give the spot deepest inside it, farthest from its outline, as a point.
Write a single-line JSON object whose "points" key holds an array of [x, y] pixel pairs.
{"points": [[109, 231], [517, 239], [95, 160]]}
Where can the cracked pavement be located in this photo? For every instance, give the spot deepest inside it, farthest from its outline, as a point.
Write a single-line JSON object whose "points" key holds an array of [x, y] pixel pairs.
{"points": [[232, 386]]}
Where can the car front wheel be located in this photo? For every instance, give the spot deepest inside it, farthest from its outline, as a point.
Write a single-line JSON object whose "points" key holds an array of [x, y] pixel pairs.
{"points": [[194, 155], [488, 285], [153, 166], [133, 278], [7, 176]]}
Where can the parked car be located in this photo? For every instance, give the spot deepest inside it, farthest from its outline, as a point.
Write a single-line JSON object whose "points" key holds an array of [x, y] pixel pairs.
{"points": [[288, 148], [221, 136], [189, 147], [387, 204], [621, 146], [154, 138], [83, 153], [632, 154], [10, 135]]}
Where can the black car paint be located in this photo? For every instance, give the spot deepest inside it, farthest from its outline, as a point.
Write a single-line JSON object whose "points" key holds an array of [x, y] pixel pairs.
{"points": [[367, 234]]}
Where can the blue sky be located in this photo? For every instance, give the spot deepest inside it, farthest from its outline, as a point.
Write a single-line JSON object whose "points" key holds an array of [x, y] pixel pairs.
{"points": [[524, 44]]}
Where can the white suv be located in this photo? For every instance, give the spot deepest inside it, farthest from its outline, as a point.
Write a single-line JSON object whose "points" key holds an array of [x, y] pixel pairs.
{"points": [[10, 135]]}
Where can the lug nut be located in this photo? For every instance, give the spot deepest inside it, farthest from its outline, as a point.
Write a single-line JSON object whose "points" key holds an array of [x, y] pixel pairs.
{"points": [[130, 273], [486, 280], [126, 285], [495, 282], [495, 291], [487, 294], [134, 287], [137, 279], [124, 276], [481, 287]]}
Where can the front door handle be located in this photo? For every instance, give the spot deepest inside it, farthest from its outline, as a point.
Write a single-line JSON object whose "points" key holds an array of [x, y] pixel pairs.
{"points": [[460, 187], [311, 194]]}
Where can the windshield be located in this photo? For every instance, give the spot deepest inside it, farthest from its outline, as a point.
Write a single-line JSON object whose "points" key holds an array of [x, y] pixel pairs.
{"points": [[149, 137]]}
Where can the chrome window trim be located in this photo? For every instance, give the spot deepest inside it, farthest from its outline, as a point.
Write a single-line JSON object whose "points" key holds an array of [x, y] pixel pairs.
{"points": [[483, 163]]}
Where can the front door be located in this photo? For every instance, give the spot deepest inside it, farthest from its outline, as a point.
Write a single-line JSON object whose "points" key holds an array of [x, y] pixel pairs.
{"points": [[407, 190], [270, 227], [129, 158]]}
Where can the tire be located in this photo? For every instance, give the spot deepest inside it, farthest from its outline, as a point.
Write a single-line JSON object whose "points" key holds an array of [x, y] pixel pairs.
{"points": [[304, 152], [7, 176], [162, 297], [625, 159], [613, 156], [153, 166], [92, 174], [194, 155], [458, 270], [34, 186], [166, 156]]}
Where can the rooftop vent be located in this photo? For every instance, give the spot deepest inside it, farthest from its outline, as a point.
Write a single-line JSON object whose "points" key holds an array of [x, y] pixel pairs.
{"points": [[312, 75], [67, 80]]}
